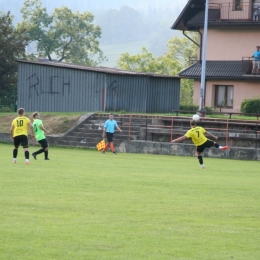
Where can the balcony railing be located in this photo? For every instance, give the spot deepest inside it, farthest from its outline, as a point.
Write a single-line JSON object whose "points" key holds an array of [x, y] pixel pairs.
{"points": [[250, 66], [236, 13]]}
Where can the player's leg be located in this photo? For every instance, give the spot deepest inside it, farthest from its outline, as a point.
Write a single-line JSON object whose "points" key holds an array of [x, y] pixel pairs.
{"points": [[45, 145], [105, 148], [25, 145], [112, 147], [107, 144], [37, 152], [44, 149], [109, 140], [199, 151], [15, 150], [210, 143], [220, 147]]}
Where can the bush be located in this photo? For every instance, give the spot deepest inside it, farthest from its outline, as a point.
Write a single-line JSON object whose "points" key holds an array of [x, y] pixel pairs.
{"points": [[250, 105], [189, 107], [6, 109]]}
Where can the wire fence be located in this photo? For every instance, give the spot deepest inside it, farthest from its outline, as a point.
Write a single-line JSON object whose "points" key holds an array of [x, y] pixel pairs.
{"points": [[8, 100]]}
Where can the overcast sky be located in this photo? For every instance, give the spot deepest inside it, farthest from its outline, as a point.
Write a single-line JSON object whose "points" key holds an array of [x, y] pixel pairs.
{"points": [[13, 5]]}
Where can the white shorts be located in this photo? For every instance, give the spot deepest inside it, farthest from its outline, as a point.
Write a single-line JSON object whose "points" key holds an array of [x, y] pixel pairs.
{"points": [[256, 64]]}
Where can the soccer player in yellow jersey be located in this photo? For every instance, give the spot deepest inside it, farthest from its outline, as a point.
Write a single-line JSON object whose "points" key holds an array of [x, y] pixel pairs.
{"points": [[19, 134], [197, 135]]}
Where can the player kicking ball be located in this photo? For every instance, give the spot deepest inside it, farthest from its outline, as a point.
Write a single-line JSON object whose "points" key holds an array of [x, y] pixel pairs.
{"points": [[39, 132], [197, 135]]}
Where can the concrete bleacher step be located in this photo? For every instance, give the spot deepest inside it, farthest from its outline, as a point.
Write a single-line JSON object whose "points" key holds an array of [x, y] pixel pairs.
{"points": [[92, 128], [90, 131]]}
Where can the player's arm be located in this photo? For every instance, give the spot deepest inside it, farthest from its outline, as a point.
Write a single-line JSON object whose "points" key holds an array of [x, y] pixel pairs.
{"points": [[118, 128], [179, 139], [44, 129], [31, 127], [211, 135]]}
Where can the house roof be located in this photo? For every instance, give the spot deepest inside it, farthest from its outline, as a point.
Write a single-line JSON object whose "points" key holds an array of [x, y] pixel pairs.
{"points": [[95, 69], [218, 69], [191, 9], [199, 18]]}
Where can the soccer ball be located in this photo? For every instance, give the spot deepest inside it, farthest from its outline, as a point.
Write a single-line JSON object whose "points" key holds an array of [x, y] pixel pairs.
{"points": [[196, 117]]}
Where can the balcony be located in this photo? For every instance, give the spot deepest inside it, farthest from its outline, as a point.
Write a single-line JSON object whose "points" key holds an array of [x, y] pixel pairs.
{"points": [[250, 67], [226, 13], [241, 12]]}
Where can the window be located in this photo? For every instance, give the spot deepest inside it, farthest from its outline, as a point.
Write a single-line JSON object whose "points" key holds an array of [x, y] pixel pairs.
{"points": [[238, 5], [224, 96]]}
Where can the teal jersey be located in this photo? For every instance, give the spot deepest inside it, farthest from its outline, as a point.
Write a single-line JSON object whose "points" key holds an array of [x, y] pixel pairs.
{"points": [[38, 132], [110, 126]]}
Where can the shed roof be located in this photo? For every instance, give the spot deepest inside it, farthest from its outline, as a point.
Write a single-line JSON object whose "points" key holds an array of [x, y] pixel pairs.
{"points": [[95, 69], [218, 69]]}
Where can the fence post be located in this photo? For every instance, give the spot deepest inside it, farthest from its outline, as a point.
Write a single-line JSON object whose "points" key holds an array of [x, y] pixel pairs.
{"points": [[145, 128], [256, 135], [227, 133], [15, 99], [171, 129]]}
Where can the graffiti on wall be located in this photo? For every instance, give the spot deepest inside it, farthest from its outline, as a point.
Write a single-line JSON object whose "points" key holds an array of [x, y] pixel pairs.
{"points": [[56, 85]]}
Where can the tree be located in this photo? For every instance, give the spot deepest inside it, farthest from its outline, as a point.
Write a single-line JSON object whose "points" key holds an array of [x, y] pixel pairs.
{"points": [[70, 37], [12, 47], [146, 62], [181, 51]]}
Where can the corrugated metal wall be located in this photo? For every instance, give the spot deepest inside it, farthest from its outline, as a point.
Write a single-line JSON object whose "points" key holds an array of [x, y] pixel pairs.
{"points": [[57, 89], [163, 95], [126, 92], [54, 89], [142, 94]]}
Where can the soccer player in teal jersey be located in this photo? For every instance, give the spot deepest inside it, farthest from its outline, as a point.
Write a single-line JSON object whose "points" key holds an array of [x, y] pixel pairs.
{"points": [[39, 132], [109, 129]]}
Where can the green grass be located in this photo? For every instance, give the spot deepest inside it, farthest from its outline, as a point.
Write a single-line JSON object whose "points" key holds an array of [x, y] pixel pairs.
{"points": [[85, 205]]}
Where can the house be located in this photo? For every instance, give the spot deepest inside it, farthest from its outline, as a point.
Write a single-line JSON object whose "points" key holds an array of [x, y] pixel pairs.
{"points": [[233, 34], [61, 87]]}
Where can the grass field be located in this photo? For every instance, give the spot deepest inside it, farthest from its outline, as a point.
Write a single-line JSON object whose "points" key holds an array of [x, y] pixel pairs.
{"points": [[85, 205]]}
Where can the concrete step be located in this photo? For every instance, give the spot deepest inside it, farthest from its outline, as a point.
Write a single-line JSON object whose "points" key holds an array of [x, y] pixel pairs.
{"points": [[96, 135], [84, 143], [88, 126], [97, 139]]}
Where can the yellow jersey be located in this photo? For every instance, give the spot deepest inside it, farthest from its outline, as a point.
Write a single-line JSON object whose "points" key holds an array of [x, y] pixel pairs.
{"points": [[20, 124], [197, 135]]}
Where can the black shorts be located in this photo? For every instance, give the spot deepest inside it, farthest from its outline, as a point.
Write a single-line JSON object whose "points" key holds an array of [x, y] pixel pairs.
{"points": [[43, 143], [21, 140], [207, 144], [109, 137]]}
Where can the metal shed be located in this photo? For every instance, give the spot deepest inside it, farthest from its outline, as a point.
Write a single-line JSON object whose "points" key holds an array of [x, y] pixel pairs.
{"points": [[61, 87]]}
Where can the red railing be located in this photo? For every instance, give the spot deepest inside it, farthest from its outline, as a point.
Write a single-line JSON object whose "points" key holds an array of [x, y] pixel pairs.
{"points": [[228, 130]]}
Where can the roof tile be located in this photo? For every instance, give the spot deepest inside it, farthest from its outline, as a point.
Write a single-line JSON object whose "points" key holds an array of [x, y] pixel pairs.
{"points": [[218, 69]]}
